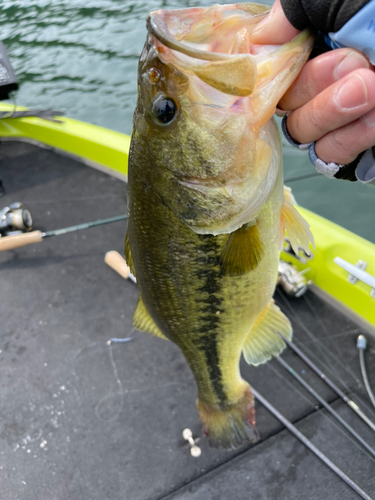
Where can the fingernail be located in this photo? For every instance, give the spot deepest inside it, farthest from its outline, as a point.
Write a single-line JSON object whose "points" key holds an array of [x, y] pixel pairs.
{"points": [[350, 63], [352, 93], [369, 118]]}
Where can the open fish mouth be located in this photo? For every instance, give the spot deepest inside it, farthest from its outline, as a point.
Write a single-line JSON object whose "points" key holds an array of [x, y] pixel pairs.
{"points": [[183, 29], [206, 35], [214, 43], [231, 95]]}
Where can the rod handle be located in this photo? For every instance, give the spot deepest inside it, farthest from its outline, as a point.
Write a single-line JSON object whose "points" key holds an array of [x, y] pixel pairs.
{"points": [[20, 240], [114, 260]]}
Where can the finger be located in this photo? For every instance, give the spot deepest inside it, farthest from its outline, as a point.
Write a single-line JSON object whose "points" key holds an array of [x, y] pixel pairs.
{"points": [[321, 72], [339, 104], [343, 145], [275, 29]]}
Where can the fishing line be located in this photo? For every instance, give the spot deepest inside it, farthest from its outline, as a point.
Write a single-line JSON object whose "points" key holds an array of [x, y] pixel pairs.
{"points": [[319, 346], [354, 396], [301, 177], [329, 339], [324, 403], [292, 428], [324, 352], [358, 381], [11, 113], [360, 401], [316, 408], [330, 383], [361, 346], [120, 389]]}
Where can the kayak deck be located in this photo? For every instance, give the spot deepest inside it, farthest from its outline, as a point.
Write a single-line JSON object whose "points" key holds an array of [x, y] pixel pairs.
{"points": [[86, 420]]}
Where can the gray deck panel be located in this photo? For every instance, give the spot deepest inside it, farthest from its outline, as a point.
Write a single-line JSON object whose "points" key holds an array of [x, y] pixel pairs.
{"points": [[60, 304], [283, 468]]}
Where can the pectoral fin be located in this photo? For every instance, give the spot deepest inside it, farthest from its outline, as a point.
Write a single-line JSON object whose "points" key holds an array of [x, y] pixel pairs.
{"points": [[242, 252], [143, 321], [295, 225], [128, 255], [263, 341]]}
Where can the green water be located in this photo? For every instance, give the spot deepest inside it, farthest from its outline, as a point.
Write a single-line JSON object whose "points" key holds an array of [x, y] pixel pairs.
{"points": [[80, 57]]}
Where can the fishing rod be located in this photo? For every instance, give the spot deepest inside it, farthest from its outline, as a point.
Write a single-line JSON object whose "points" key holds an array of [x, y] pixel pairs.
{"points": [[301, 177], [329, 382], [361, 346], [327, 461], [350, 429], [117, 262], [21, 240]]}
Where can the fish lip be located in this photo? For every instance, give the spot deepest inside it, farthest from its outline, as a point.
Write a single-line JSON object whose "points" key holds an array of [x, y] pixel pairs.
{"points": [[157, 25]]}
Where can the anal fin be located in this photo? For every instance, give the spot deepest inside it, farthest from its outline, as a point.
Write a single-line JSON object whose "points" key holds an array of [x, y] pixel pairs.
{"points": [[263, 341], [242, 252], [143, 321], [296, 227]]}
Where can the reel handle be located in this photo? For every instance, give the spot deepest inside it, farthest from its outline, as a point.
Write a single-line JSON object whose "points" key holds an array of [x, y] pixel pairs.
{"points": [[20, 240], [114, 260]]}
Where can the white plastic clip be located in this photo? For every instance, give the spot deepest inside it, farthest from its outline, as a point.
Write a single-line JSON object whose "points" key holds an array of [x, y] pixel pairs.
{"points": [[194, 449]]}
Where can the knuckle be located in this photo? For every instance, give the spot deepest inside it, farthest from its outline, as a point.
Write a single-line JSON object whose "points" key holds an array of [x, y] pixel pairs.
{"points": [[295, 127], [316, 120], [339, 149]]}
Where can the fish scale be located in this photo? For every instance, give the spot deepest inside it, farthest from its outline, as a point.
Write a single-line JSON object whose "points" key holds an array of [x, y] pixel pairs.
{"points": [[206, 211]]}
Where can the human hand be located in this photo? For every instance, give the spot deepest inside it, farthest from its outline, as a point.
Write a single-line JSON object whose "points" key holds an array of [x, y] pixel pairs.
{"points": [[332, 100]]}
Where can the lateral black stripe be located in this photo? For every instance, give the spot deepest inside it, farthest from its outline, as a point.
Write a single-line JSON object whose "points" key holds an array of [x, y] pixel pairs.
{"points": [[208, 257]]}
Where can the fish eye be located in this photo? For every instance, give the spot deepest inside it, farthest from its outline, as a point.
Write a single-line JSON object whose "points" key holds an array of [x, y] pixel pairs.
{"points": [[164, 109]]}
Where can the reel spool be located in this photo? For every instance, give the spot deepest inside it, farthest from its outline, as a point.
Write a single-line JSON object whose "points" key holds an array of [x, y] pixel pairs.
{"points": [[15, 219]]}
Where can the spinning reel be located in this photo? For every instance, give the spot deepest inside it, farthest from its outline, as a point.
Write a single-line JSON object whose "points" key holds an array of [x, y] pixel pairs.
{"points": [[15, 219]]}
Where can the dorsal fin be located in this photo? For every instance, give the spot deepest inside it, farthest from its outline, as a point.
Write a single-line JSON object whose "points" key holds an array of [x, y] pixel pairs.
{"points": [[242, 252]]}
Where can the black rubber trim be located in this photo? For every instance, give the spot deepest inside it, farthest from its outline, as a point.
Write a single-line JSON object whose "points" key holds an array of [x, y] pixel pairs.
{"points": [[322, 15]]}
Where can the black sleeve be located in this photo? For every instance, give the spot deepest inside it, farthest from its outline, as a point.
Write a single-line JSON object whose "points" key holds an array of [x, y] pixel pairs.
{"points": [[322, 15]]}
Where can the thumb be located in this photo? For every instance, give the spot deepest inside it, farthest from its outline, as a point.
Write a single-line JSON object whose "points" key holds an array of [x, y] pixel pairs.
{"points": [[275, 29]]}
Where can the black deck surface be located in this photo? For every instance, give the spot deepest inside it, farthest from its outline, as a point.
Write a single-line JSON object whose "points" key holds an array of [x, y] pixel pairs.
{"points": [[83, 420]]}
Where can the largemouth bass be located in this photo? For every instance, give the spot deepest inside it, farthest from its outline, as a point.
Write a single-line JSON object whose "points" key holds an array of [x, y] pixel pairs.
{"points": [[207, 209]]}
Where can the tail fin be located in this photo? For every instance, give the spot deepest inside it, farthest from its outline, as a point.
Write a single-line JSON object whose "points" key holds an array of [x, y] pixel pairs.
{"points": [[232, 425]]}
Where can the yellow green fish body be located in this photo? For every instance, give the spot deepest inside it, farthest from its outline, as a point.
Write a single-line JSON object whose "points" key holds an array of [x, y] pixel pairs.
{"points": [[207, 209]]}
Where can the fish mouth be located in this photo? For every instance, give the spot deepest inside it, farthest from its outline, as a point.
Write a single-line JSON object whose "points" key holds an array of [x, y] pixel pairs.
{"points": [[159, 22], [232, 89], [214, 45], [188, 33]]}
